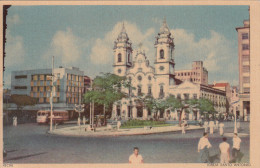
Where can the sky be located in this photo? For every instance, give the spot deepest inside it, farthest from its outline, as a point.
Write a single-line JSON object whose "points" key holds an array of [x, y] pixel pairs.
{"points": [[83, 36]]}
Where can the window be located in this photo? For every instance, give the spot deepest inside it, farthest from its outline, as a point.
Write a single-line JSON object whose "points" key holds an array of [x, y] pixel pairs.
{"points": [[245, 58], [38, 89], [178, 96], [149, 90], [139, 78], [246, 80], [128, 57], [245, 47], [31, 88], [161, 68], [195, 96], [161, 95], [31, 77], [119, 57], [41, 94], [20, 87], [119, 71], [161, 54], [20, 76], [149, 78], [41, 83], [186, 96], [246, 90], [246, 68], [244, 35], [139, 90]]}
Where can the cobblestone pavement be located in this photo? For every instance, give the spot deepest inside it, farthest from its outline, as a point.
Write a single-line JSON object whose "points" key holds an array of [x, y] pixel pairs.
{"points": [[29, 143]]}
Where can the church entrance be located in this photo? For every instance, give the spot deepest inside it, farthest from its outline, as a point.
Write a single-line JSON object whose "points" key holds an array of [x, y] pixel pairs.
{"points": [[118, 110], [139, 111]]}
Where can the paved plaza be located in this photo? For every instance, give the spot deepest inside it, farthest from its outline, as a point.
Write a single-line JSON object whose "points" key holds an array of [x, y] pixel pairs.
{"points": [[30, 143]]}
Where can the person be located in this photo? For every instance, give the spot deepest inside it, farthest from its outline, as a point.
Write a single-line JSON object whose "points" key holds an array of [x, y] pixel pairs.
{"points": [[216, 126], [211, 127], [203, 148], [224, 151], [221, 129], [236, 148], [183, 127], [118, 124], [238, 124], [135, 158], [206, 125], [78, 121]]}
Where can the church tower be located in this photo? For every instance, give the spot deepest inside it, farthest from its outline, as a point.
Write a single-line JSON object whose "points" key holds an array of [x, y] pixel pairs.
{"points": [[164, 61], [122, 53]]}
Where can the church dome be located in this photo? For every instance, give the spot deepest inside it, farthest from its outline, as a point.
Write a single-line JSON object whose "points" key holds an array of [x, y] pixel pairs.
{"points": [[164, 28]]}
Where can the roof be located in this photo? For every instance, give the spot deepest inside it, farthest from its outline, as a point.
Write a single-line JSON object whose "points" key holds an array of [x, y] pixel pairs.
{"points": [[220, 85]]}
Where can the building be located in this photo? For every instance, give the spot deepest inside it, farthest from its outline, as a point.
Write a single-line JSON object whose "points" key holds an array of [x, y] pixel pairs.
{"points": [[197, 74], [224, 87], [244, 69], [159, 81], [234, 108], [188, 89], [87, 83], [68, 85]]}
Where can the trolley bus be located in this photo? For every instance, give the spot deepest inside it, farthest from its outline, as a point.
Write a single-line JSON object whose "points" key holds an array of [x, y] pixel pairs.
{"points": [[59, 116]]}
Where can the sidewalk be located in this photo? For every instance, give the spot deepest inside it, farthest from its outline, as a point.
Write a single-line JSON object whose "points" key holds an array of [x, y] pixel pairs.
{"points": [[104, 131]]}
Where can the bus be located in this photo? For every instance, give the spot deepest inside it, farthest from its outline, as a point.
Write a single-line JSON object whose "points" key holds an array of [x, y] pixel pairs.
{"points": [[59, 116]]}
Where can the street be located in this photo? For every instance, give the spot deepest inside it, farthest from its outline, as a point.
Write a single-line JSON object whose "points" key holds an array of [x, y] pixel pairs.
{"points": [[29, 143]]}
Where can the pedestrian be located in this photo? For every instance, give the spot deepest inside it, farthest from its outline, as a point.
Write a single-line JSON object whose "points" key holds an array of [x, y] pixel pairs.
{"points": [[211, 127], [206, 126], [224, 151], [183, 127], [236, 148], [78, 121], [203, 148], [13, 120], [118, 124], [238, 124], [216, 126], [135, 158], [221, 129]]}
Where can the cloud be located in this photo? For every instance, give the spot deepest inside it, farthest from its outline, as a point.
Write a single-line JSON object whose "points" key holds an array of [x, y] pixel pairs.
{"points": [[12, 20], [102, 50], [14, 50], [66, 47], [213, 51]]}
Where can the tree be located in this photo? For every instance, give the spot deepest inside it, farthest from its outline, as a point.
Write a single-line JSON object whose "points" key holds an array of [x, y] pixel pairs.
{"points": [[23, 100], [106, 90], [206, 106], [193, 104], [175, 104], [155, 105]]}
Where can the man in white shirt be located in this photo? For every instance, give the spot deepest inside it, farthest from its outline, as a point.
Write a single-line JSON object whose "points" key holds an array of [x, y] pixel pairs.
{"points": [[224, 151], [236, 147], [135, 158], [203, 147], [211, 127]]}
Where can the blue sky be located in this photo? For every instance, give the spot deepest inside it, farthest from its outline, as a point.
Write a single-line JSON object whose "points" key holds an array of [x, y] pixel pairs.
{"points": [[83, 36]]}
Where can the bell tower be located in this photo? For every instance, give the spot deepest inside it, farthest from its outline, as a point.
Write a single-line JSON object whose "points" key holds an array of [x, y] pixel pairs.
{"points": [[164, 60], [122, 53]]}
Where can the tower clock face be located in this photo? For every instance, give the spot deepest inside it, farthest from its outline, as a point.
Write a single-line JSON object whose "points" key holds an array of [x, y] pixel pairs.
{"points": [[161, 68]]}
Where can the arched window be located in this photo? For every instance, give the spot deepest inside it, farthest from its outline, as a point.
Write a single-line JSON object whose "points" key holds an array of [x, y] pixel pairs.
{"points": [[161, 54], [129, 57], [119, 57]]}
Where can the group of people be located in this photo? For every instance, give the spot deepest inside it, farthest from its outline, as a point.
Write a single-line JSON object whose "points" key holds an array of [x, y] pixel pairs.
{"points": [[211, 125], [224, 147]]}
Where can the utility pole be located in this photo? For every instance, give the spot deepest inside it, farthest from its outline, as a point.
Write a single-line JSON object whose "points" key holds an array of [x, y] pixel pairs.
{"points": [[51, 99]]}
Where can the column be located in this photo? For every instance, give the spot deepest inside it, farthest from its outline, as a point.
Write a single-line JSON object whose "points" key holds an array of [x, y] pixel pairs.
{"points": [[145, 113], [114, 111], [134, 111]]}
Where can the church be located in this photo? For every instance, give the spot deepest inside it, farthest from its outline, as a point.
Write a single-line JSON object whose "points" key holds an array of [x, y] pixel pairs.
{"points": [[158, 81]]}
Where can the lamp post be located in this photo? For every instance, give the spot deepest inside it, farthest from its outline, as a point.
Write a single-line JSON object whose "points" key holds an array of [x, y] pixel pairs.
{"points": [[235, 115], [52, 90]]}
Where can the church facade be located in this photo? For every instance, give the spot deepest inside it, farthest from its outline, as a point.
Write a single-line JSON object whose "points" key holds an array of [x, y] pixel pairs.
{"points": [[158, 81]]}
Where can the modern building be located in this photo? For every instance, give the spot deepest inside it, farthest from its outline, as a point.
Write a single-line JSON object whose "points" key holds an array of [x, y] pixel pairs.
{"points": [[87, 83], [244, 69], [68, 86], [197, 74], [159, 81]]}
